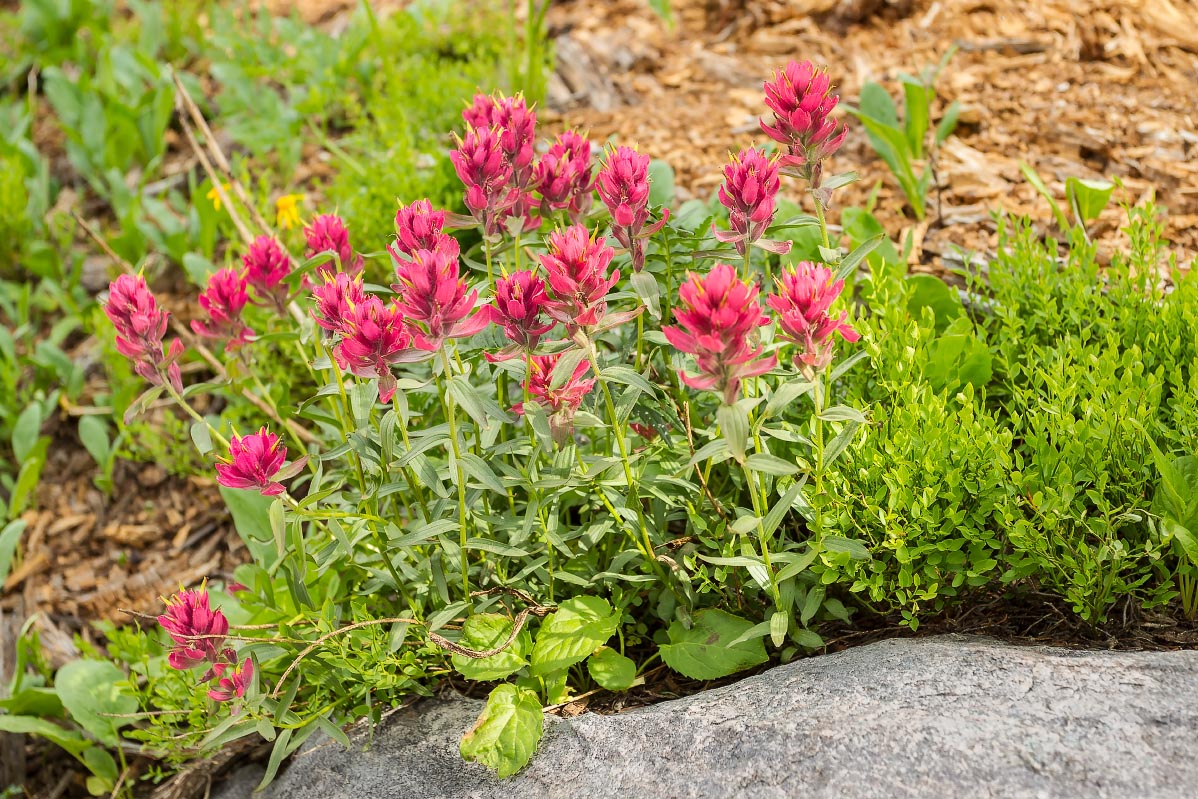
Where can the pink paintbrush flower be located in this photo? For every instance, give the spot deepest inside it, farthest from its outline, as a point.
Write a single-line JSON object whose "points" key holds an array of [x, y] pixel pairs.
{"points": [[800, 95], [328, 233], [374, 338], [197, 629], [749, 192], [518, 308], [562, 402], [623, 185], [267, 266], [516, 125], [804, 295], [232, 681], [223, 300], [140, 325], [436, 300], [718, 312], [563, 176], [419, 227], [484, 170], [576, 266], [336, 299], [256, 462]]}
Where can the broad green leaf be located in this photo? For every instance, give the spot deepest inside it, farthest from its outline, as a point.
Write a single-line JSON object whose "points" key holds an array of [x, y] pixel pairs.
{"points": [[703, 652], [779, 624], [771, 464], [10, 536], [734, 425], [948, 123], [70, 740], [483, 632], [612, 670], [929, 291], [854, 548], [508, 731], [661, 183], [93, 432], [1087, 198], [26, 431], [92, 693], [576, 629]]}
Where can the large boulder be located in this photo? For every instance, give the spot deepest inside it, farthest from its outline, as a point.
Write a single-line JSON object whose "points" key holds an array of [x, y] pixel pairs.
{"points": [[933, 717]]}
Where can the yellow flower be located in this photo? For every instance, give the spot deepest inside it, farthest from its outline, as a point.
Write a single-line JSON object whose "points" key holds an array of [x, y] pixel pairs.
{"points": [[287, 210], [214, 195]]}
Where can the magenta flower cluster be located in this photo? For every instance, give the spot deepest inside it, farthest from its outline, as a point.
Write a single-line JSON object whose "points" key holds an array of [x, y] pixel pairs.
{"points": [[140, 325], [257, 461], [199, 634], [800, 95], [623, 185]]}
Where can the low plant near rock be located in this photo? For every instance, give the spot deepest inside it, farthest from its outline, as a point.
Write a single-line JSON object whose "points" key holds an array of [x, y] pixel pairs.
{"points": [[578, 431], [625, 444]]}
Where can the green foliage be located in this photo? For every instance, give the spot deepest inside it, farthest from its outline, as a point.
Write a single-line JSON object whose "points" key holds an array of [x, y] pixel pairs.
{"points": [[901, 143], [506, 734], [426, 62], [718, 644]]}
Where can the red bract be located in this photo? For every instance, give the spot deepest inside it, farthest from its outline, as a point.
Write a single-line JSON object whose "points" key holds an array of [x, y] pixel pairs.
{"points": [[254, 462], [419, 227], [805, 293], [516, 125], [486, 173], [520, 300], [267, 265], [327, 233], [197, 630], [563, 176], [433, 294], [140, 325], [576, 266], [717, 314], [231, 681], [561, 402], [623, 185], [335, 299], [374, 337], [223, 300], [749, 191], [800, 95]]}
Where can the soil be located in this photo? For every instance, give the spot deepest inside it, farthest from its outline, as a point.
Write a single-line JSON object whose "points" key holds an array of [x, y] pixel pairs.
{"points": [[1089, 89], [1076, 88]]}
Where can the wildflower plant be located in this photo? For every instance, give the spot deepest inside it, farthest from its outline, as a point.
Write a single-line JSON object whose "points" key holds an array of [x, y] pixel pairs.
{"points": [[509, 468]]}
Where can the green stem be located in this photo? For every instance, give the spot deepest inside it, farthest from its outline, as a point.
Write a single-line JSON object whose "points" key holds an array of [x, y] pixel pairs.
{"points": [[823, 223], [450, 416], [759, 510], [817, 446], [646, 545]]}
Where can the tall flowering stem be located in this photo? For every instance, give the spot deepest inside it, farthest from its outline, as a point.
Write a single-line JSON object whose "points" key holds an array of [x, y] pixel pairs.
{"points": [[716, 315], [140, 325], [800, 96], [623, 185], [749, 192], [450, 406], [803, 299]]}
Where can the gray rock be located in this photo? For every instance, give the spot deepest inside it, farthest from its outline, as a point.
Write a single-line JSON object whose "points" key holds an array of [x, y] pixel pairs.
{"points": [[934, 717]]}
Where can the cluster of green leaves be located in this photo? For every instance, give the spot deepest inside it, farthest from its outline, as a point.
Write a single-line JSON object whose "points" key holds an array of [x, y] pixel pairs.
{"points": [[1014, 434], [903, 143]]}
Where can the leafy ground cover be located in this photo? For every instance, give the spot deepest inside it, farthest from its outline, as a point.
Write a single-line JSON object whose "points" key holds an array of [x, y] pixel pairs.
{"points": [[562, 431]]}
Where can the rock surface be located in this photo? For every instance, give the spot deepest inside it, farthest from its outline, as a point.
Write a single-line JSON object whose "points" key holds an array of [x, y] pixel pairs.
{"points": [[935, 717]]}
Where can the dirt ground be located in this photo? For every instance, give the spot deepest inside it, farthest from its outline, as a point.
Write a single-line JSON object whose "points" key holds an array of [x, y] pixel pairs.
{"points": [[1087, 88], [1076, 88]]}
